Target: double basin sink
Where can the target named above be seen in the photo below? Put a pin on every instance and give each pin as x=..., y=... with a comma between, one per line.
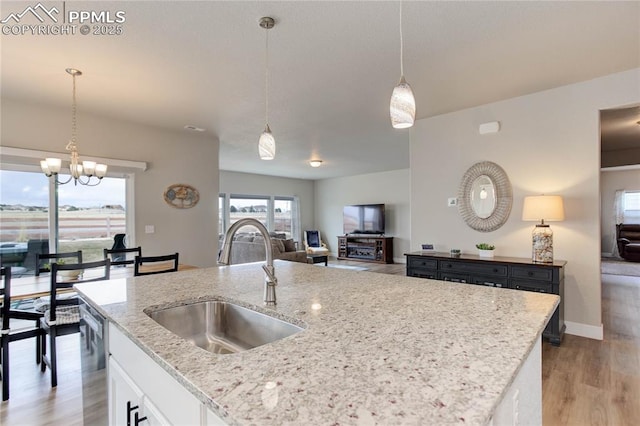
x=223, y=327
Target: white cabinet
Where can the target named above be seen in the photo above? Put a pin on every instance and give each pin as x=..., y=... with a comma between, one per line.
x=138, y=386
x=124, y=396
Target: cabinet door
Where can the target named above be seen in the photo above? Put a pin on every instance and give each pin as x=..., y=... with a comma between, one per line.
x=210, y=418
x=125, y=397
x=153, y=416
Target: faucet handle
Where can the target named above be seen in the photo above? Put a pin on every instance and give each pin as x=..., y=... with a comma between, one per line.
x=271, y=273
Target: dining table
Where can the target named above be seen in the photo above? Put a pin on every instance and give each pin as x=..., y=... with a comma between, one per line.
x=30, y=287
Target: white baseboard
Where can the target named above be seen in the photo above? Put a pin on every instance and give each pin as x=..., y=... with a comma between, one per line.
x=402, y=259
x=606, y=254
x=584, y=330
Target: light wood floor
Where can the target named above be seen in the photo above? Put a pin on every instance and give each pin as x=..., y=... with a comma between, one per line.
x=585, y=382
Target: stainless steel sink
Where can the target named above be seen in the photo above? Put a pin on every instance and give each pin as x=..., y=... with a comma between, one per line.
x=223, y=327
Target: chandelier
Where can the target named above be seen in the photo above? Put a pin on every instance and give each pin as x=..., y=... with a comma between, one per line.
x=81, y=173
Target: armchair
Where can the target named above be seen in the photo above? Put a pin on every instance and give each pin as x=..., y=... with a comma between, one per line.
x=313, y=243
x=628, y=239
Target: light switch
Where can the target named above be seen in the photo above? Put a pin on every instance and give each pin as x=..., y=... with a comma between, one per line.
x=149, y=229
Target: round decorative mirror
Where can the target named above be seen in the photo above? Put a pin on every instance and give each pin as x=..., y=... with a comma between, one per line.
x=485, y=197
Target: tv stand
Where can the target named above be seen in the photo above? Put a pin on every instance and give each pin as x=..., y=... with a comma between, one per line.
x=365, y=248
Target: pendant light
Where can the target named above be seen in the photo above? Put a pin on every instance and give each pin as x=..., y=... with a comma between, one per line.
x=403, y=104
x=266, y=143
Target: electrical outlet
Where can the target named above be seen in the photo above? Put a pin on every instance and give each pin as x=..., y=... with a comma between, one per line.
x=149, y=229
x=451, y=202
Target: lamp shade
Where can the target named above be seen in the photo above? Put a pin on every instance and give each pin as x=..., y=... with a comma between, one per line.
x=403, y=106
x=267, y=145
x=543, y=207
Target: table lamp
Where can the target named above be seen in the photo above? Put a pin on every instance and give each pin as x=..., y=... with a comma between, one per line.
x=541, y=208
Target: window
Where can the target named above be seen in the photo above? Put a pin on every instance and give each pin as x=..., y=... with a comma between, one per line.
x=87, y=218
x=241, y=207
x=631, y=204
x=283, y=217
x=221, y=214
x=277, y=214
x=24, y=207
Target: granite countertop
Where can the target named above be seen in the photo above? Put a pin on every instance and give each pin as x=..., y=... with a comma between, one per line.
x=382, y=349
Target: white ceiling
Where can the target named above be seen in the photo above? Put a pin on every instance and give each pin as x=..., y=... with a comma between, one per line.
x=333, y=66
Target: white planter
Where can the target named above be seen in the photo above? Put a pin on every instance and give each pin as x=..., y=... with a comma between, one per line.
x=71, y=274
x=485, y=253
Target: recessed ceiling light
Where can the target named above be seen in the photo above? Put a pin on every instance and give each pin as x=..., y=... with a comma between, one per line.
x=315, y=163
x=194, y=128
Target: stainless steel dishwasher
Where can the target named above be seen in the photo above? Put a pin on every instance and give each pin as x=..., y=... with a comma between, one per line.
x=93, y=351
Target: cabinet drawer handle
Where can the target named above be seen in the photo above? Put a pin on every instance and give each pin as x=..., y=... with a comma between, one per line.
x=530, y=273
x=137, y=420
x=130, y=408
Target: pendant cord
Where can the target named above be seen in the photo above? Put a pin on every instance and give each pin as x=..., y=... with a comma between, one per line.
x=73, y=113
x=401, y=45
x=266, y=79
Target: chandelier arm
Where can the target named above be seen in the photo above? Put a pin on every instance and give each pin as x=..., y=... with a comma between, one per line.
x=62, y=183
x=88, y=180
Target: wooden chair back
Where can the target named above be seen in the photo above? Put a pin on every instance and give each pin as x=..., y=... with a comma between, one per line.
x=119, y=256
x=43, y=258
x=167, y=263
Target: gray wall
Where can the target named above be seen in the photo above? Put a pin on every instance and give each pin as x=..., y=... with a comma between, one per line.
x=390, y=188
x=172, y=157
x=610, y=182
x=549, y=143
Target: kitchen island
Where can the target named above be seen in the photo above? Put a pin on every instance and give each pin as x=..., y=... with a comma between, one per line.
x=375, y=349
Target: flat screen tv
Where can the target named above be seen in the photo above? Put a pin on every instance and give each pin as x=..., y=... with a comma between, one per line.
x=363, y=219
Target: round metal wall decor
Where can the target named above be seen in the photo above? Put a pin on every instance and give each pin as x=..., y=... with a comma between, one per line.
x=181, y=196
x=485, y=183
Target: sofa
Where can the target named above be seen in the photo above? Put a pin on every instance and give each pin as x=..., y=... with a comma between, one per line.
x=628, y=238
x=249, y=247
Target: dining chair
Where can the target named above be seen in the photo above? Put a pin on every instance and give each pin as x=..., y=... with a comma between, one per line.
x=119, y=256
x=167, y=263
x=34, y=247
x=62, y=316
x=7, y=335
x=41, y=257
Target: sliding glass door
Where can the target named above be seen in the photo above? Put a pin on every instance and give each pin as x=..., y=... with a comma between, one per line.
x=86, y=218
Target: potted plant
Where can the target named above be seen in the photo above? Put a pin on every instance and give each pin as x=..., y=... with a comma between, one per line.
x=485, y=250
x=67, y=274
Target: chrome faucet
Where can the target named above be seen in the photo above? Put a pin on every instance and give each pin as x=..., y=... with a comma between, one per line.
x=270, y=280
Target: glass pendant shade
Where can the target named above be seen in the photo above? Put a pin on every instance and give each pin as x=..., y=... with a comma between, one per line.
x=267, y=145
x=403, y=106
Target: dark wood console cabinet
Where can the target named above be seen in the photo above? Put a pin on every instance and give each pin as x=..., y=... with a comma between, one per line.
x=365, y=248
x=506, y=272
